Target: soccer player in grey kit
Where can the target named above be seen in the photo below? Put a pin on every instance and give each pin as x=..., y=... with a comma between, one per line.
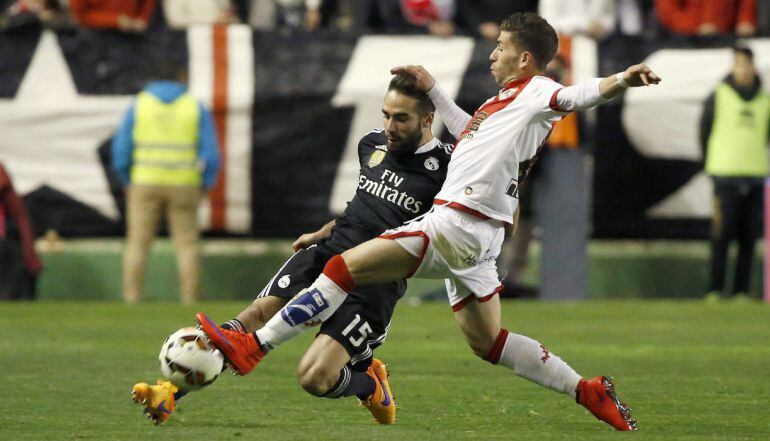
x=402, y=169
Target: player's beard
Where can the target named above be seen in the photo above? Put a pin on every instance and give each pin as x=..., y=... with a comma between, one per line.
x=407, y=145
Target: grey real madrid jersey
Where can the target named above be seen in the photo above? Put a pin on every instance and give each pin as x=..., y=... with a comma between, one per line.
x=391, y=190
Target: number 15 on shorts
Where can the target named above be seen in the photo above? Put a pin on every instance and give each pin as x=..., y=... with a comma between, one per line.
x=363, y=331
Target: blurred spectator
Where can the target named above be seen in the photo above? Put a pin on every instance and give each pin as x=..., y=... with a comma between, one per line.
x=735, y=130
x=50, y=13
x=592, y=17
x=165, y=153
x=342, y=11
x=19, y=263
x=763, y=17
x=124, y=15
x=708, y=17
x=305, y=14
x=435, y=17
x=482, y=17
x=183, y=13
x=630, y=17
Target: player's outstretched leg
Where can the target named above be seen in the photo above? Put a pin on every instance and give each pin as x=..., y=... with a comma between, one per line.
x=531, y=360
x=158, y=400
x=242, y=350
x=381, y=403
x=598, y=396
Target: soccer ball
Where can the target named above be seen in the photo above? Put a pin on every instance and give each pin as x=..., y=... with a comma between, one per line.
x=188, y=361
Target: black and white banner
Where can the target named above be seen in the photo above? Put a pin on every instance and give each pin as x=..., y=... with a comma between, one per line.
x=648, y=178
x=290, y=108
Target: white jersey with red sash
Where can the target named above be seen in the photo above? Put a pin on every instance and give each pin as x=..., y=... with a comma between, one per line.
x=506, y=130
x=460, y=239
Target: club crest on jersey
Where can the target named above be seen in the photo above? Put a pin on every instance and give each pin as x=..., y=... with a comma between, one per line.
x=284, y=281
x=376, y=159
x=432, y=163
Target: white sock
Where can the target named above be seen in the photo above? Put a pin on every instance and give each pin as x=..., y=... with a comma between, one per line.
x=531, y=360
x=309, y=308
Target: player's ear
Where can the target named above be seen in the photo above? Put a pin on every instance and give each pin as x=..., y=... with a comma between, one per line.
x=526, y=59
x=427, y=120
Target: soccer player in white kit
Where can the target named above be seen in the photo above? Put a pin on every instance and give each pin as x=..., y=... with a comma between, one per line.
x=460, y=238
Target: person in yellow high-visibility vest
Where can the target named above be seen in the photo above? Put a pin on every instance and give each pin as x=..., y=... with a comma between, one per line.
x=734, y=131
x=166, y=155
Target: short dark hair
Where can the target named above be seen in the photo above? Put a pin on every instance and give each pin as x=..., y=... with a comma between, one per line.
x=531, y=33
x=745, y=51
x=406, y=84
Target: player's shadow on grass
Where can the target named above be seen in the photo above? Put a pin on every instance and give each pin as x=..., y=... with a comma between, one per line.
x=195, y=420
x=218, y=424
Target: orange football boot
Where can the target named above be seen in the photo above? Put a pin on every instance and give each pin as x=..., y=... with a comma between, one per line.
x=381, y=403
x=242, y=350
x=598, y=396
x=158, y=400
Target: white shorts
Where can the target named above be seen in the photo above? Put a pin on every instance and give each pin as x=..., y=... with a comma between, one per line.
x=455, y=246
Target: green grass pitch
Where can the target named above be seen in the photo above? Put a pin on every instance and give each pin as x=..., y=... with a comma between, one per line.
x=690, y=371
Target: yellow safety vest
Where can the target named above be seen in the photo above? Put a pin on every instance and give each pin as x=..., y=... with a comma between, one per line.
x=737, y=146
x=166, y=141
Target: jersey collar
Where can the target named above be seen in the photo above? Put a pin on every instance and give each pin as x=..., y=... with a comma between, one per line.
x=516, y=83
x=428, y=146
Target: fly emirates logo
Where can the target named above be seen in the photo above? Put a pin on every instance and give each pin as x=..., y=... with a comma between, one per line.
x=387, y=189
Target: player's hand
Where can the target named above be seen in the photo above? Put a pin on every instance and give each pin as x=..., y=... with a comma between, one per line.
x=640, y=75
x=305, y=241
x=425, y=80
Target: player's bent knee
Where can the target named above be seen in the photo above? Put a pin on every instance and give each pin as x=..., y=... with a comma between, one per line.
x=257, y=313
x=481, y=345
x=479, y=350
x=316, y=379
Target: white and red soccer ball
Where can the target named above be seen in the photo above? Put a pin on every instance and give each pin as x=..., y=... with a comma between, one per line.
x=188, y=360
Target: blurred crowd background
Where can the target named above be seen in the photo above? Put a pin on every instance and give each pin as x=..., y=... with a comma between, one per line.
x=597, y=18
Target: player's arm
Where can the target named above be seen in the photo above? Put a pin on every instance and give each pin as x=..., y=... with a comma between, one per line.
x=454, y=117
x=308, y=239
x=635, y=76
x=600, y=90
